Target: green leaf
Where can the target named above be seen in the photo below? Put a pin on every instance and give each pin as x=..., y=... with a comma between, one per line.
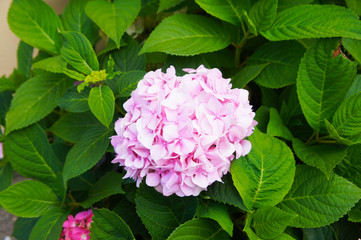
x=49, y=226
x=128, y=82
x=334, y=134
x=316, y=200
x=353, y=46
x=5, y=100
x=314, y=21
x=354, y=5
x=6, y=174
x=75, y=19
x=199, y=228
x=78, y=52
x=113, y=17
x=322, y=79
x=322, y=233
x=321, y=156
x=35, y=23
x=101, y=103
x=290, y=106
x=6, y=84
x=72, y=126
x=269, y=222
x=247, y=228
x=284, y=4
x=35, y=99
x=108, y=225
x=86, y=152
x=229, y=11
x=73, y=101
x=283, y=59
x=347, y=118
x=166, y=4
x=350, y=167
x=179, y=35
x=265, y=175
x=276, y=127
x=225, y=192
x=161, y=215
x=109, y=184
x=31, y=155
x=25, y=57
x=23, y=227
x=247, y=74
x=263, y=13
x=29, y=199
x=354, y=215
x=217, y=212
x=355, y=87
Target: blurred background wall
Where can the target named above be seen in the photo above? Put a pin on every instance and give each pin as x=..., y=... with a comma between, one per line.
x=9, y=42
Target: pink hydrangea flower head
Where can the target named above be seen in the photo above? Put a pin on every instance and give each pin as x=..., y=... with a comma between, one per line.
x=181, y=133
x=77, y=228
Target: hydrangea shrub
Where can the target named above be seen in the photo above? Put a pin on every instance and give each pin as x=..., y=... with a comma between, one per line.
x=181, y=119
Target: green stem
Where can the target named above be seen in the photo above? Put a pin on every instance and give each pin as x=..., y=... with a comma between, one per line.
x=310, y=139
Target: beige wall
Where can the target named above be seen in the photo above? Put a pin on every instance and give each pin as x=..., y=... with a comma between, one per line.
x=9, y=42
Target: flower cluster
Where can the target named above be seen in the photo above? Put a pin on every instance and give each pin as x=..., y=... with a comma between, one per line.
x=77, y=228
x=181, y=133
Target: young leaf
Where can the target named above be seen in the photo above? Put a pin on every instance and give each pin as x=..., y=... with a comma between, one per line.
x=109, y=184
x=166, y=4
x=73, y=101
x=49, y=226
x=347, y=118
x=72, y=126
x=283, y=59
x=35, y=99
x=316, y=200
x=179, y=35
x=6, y=174
x=321, y=156
x=78, y=52
x=128, y=82
x=113, y=17
x=217, y=212
x=108, y=225
x=229, y=11
x=322, y=79
x=101, y=103
x=263, y=14
x=29, y=199
x=269, y=222
x=161, y=215
x=25, y=57
x=75, y=19
x=275, y=126
x=31, y=155
x=199, y=228
x=247, y=74
x=86, y=152
x=35, y=23
x=314, y=21
x=265, y=175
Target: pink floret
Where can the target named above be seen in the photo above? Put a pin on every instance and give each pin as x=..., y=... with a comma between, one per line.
x=181, y=133
x=77, y=228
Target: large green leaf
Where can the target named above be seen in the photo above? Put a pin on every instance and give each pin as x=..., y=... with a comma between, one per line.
x=318, y=201
x=31, y=155
x=23, y=227
x=321, y=156
x=79, y=53
x=247, y=74
x=266, y=174
x=72, y=126
x=109, y=184
x=284, y=4
x=216, y=211
x=227, y=10
x=161, y=215
x=314, y=21
x=322, y=79
x=101, y=103
x=179, y=35
x=269, y=222
x=199, y=228
x=35, y=99
x=86, y=152
x=350, y=167
x=282, y=58
x=322, y=233
x=25, y=57
x=113, y=17
x=108, y=225
x=29, y=199
x=73, y=101
x=276, y=127
x=75, y=19
x=347, y=118
x=128, y=82
x=6, y=174
x=49, y=226
x=35, y=23
x=263, y=13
